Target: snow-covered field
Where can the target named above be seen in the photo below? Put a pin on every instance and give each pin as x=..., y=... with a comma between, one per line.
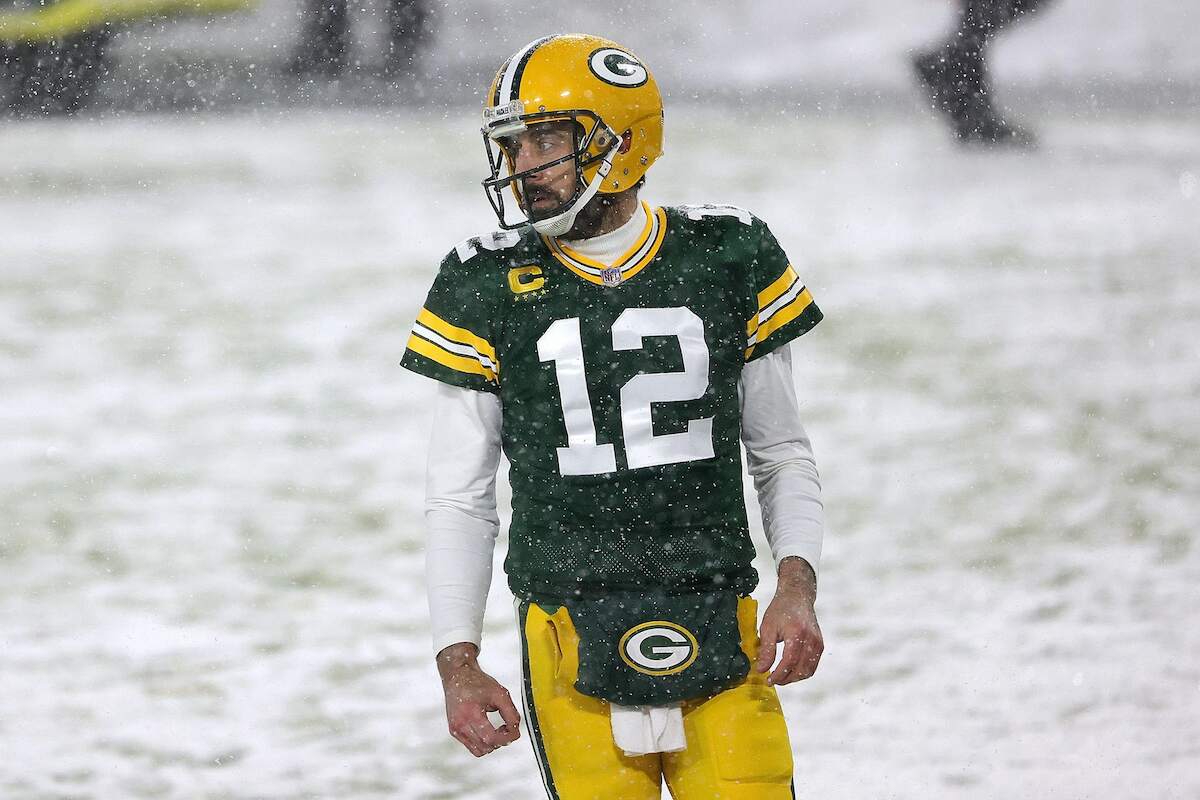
x=211, y=465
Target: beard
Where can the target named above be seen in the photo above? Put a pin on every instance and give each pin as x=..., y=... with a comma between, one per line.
x=542, y=202
x=542, y=199
x=591, y=218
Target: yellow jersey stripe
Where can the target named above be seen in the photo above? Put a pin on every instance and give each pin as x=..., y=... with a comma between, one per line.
x=464, y=350
x=578, y=271
x=434, y=352
x=456, y=334
x=629, y=272
x=631, y=263
x=779, y=302
x=628, y=254
x=777, y=288
x=782, y=317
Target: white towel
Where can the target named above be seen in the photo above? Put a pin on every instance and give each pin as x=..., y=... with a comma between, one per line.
x=639, y=730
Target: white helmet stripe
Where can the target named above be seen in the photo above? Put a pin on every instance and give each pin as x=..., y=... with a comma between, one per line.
x=516, y=66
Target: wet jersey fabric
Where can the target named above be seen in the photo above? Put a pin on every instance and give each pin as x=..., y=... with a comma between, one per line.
x=619, y=389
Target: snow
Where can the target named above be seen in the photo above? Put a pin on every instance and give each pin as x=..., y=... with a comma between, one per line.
x=213, y=465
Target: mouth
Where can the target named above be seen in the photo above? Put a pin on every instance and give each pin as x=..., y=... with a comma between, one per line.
x=539, y=198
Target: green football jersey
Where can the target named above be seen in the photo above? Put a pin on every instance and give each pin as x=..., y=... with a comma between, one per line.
x=619, y=389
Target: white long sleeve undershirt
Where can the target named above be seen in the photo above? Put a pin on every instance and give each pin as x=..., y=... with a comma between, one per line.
x=461, y=522
x=779, y=458
x=460, y=497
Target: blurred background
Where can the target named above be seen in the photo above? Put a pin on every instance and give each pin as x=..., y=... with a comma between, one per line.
x=218, y=219
x=122, y=55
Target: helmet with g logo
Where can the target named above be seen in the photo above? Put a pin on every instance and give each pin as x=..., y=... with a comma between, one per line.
x=595, y=83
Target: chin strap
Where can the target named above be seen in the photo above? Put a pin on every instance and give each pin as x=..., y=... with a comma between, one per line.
x=559, y=224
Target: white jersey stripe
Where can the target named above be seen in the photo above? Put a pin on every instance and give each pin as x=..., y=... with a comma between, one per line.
x=453, y=347
x=788, y=296
x=527, y=703
x=625, y=265
x=793, y=291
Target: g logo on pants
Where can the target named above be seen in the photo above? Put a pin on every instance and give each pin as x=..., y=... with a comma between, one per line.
x=658, y=648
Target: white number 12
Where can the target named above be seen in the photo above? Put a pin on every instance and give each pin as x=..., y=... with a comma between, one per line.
x=562, y=344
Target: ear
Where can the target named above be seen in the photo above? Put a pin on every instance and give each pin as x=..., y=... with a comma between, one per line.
x=626, y=142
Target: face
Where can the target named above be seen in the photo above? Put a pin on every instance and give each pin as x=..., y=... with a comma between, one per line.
x=542, y=143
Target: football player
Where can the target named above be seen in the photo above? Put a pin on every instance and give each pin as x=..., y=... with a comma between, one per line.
x=955, y=76
x=617, y=353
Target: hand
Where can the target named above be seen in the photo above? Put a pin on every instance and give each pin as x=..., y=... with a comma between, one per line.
x=790, y=618
x=470, y=694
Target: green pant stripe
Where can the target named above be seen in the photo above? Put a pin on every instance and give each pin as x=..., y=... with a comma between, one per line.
x=535, y=732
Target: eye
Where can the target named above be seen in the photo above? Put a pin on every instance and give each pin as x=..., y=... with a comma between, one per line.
x=510, y=146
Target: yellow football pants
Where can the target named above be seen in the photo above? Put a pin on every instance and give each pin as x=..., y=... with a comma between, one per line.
x=737, y=740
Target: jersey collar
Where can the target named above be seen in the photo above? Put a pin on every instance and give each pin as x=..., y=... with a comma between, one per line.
x=633, y=261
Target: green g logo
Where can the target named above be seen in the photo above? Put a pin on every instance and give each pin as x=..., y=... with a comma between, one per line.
x=617, y=67
x=658, y=648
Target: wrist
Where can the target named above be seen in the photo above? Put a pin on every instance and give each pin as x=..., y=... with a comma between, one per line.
x=796, y=575
x=456, y=656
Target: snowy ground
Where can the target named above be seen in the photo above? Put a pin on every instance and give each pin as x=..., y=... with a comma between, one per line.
x=212, y=466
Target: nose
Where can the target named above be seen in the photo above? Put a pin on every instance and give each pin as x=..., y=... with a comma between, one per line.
x=526, y=158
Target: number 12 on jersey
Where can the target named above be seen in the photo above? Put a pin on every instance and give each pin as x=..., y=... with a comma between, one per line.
x=583, y=455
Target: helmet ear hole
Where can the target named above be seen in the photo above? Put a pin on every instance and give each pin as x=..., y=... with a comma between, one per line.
x=626, y=141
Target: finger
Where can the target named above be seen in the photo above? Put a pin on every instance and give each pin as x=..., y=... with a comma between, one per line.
x=510, y=733
x=767, y=639
x=491, y=738
x=505, y=734
x=489, y=734
x=803, y=667
x=787, y=662
x=800, y=659
x=810, y=657
x=807, y=665
x=508, y=711
x=510, y=730
x=469, y=726
x=469, y=741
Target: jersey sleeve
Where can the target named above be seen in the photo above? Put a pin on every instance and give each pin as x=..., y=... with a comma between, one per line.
x=452, y=338
x=785, y=306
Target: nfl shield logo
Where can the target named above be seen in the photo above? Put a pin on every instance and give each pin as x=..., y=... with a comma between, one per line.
x=610, y=276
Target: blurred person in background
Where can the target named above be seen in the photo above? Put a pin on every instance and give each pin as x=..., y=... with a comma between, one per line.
x=324, y=48
x=954, y=73
x=55, y=53
x=618, y=353
x=53, y=75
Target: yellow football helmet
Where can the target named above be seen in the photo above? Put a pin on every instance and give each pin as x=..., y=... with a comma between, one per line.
x=595, y=83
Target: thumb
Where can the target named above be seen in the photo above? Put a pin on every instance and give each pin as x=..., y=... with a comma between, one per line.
x=508, y=711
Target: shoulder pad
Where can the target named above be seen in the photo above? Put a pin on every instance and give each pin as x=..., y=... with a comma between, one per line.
x=698, y=212
x=496, y=240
